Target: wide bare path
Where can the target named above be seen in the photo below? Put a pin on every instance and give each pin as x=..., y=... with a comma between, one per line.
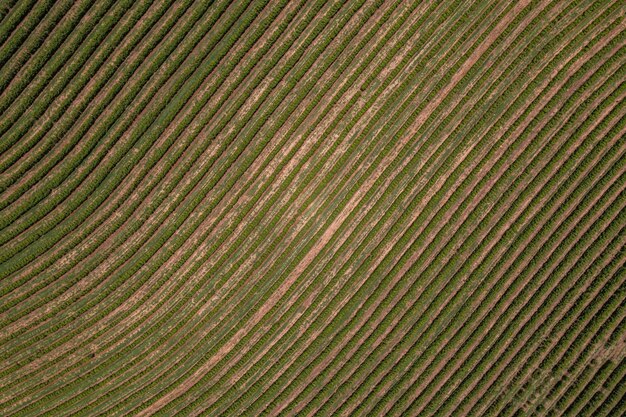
x=312, y=208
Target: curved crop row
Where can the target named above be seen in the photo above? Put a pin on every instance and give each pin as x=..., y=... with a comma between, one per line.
x=293, y=207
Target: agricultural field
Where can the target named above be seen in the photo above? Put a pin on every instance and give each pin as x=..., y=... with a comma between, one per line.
x=313, y=208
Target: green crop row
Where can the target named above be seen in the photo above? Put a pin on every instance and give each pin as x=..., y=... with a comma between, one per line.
x=196, y=155
x=82, y=197
x=382, y=327
x=592, y=183
x=104, y=172
x=567, y=299
x=427, y=213
x=231, y=184
x=554, y=295
x=526, y=350
x=17, y=53
x=554, y=317
x=606, y=392
x=235, y=265
x=582, y=389
x=13, y=18
x=127, y=122
x=46, y=63
x=70, y=79
x=556, y=216
x=339, y=232
x=599, y=279
x=575, y=355
x=229, y=371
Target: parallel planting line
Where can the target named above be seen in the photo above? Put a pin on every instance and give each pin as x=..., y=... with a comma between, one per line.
x=313, y=208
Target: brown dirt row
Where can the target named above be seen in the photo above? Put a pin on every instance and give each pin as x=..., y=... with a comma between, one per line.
x=97, y=217
x=84, y=118
x=120, y=190
x=35, y=149
x=536, y=170
x=510, y=377
x=524, y=246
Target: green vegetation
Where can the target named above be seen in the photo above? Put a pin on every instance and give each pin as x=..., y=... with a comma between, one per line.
x=289, y=207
